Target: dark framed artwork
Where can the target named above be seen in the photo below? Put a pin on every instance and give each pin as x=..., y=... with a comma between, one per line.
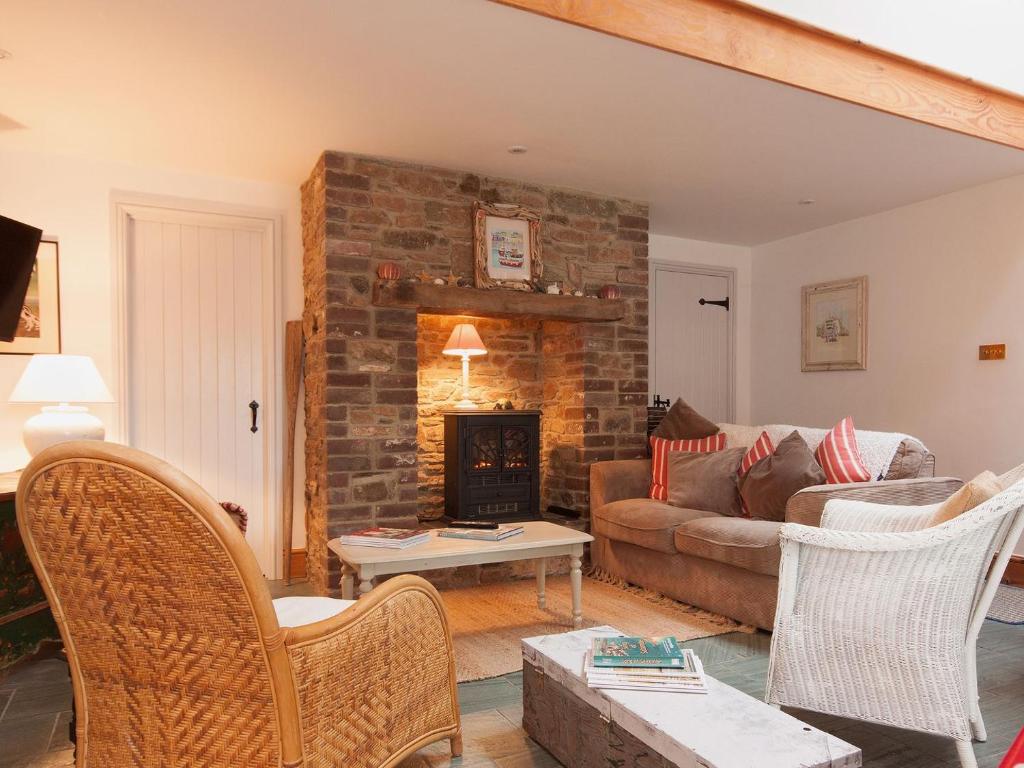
x=39, y=326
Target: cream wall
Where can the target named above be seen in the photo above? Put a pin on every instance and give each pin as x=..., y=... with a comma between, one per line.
x=945, y=275
x=70, y=198
x=683, y=251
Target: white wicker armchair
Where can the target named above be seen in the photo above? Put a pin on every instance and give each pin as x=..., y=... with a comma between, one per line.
x=879, y=612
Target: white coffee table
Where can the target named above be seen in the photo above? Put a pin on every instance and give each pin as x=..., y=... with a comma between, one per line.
x=724, y=728
x=538, y=541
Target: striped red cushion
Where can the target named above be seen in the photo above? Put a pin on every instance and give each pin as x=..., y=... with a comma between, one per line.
x=659, y=458
x=762, y=449
x=839, y=457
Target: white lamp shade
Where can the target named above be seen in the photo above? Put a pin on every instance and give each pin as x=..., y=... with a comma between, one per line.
x=61, y=379
x=464, y=341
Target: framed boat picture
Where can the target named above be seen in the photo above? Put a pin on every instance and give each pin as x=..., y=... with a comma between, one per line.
x=835, y=326
x=506, y=239
x=39, y=326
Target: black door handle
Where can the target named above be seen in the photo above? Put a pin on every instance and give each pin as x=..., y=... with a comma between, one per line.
x=717, y=302
x=254, y=407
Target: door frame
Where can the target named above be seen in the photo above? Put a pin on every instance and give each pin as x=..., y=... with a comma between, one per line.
x=126, y=206
x=729, y=273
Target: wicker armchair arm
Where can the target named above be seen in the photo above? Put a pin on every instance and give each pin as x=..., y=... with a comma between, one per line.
x=377, y=681
x=857, y=541
x=849, y=515
x=617, y=480
x=806, y=506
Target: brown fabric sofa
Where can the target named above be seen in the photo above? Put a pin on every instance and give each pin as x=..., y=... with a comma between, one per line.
x=728, y=565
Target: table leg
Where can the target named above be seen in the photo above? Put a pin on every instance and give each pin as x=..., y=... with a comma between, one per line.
x=365, y=584
x=542, y=573
x=347, y=582
x=576, y=579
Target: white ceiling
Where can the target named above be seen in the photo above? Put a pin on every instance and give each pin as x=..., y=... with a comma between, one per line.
x=257, y=88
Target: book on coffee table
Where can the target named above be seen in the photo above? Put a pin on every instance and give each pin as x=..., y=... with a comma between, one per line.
x=391, y=538
x=640, y=652
x=500, y=533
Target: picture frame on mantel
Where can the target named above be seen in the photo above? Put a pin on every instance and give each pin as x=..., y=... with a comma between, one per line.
x=38, y=329
x=506, y=243
x=835, y=325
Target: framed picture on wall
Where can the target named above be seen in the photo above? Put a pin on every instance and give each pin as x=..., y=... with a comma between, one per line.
x=39, y=327
x=506, y=239
x=835, y=326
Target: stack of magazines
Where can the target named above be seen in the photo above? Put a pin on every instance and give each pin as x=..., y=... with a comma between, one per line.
x=644, y=664
x=392, y=538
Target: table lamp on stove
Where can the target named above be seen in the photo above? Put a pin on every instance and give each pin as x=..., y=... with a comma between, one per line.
x=465, y=342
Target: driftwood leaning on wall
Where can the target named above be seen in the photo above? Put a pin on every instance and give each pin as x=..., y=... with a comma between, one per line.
x=292, y=378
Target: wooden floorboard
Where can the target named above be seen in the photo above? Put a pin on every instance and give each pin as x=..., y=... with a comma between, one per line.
x=35, y=711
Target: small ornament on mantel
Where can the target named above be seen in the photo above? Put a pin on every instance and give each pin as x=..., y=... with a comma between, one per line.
x=611, y=292
x=504, y=405
x=388, y=270
x=554, y=289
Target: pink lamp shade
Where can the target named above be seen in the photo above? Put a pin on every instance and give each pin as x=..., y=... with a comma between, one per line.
x=464, y=341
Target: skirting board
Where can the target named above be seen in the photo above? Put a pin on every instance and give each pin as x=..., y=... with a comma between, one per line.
x=1015, y=571
x=298, y=563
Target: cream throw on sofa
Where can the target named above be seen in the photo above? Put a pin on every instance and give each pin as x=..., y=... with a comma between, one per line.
x=877, y=449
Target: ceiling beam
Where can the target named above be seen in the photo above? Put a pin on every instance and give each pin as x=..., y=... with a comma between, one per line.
x=747, y=39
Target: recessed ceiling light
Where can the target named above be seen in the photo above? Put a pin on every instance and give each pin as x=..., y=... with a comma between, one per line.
x=806, y=201
x=4, y=54
x=517, y=149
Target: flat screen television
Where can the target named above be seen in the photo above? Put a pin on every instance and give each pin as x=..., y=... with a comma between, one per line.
x=18, y=246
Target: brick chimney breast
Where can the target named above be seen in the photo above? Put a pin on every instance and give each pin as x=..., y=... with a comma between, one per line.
x=375, y=379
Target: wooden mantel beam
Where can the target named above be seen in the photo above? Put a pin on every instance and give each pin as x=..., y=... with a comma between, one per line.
x=748, y=39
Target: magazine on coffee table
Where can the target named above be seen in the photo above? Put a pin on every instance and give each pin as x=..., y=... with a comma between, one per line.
x=390, y=538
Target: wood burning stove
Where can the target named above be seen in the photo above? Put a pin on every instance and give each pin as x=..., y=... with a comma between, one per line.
x=492, y=465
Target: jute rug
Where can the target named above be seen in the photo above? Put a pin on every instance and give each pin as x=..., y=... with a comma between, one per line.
x=1008, y=605
x=489, y=621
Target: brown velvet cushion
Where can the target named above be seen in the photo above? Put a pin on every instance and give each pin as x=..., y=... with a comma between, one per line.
x=705, y=480
x=683, y=423
x=768, y=485
x=749, y=544
x=908, y=461
x=644, y=522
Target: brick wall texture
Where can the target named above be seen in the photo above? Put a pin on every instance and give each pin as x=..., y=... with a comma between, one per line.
x=375, y=380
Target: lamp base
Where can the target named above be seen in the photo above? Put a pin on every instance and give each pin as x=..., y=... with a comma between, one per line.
x=58, y=424
x=466, y=405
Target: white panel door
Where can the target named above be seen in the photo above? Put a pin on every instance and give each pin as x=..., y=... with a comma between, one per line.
x=196, y=336
x=691, y=355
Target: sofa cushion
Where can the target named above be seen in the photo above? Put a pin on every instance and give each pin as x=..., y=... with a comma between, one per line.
x=769, y=484
x=705, y=480
x=683, y=423
x=644, y=522
x=840, y=457
x=749, y=544
x=908, y=461
x=660, y=449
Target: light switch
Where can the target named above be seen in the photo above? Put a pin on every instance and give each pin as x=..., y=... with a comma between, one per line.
x=992, y=352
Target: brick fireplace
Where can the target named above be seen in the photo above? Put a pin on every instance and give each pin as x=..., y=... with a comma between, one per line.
x=375, y=380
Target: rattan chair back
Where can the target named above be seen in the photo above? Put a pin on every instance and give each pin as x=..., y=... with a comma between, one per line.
x=176, y=656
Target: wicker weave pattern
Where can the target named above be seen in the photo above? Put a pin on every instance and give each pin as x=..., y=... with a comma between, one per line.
x=371, y=690
x=879, y=623
x=170, y=658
